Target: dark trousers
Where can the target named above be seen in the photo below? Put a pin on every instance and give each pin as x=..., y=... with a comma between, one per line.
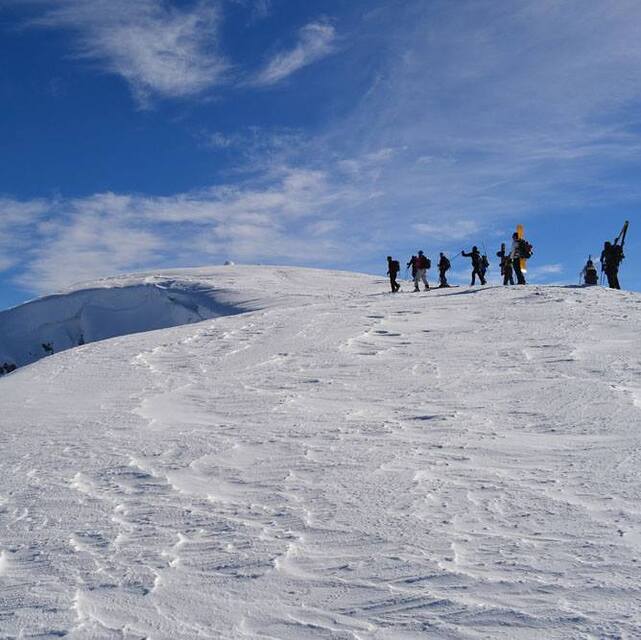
x=442, y=278
x=478, y=273
x=516, y=264
x=613, y=278
x=507, y=277
x=392, y=280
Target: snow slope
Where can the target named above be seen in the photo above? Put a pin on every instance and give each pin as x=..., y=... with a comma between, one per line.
x=337, y=463
x=121, y=306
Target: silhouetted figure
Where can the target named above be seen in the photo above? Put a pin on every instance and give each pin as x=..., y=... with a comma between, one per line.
x=422, y=265
x=516, y=253
x=611, y=257
x=589, y=274
x=443, y=266
x=412, y=263
x=506, y=265
x=393, y=267
x=477, y=264
x=485, y=265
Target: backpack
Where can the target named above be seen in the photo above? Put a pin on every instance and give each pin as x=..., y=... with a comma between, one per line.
x=617, y=252
x=445, y=263
x=525, y=249
x=394, y=266
x=485, y=263
x=591, y=276
x=423, y=262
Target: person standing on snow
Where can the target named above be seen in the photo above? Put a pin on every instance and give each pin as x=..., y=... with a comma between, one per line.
x=412, y=263
x=443, y=265
x=477, y=264
x=422, y=265
x=393, y=267
x=589, y=274
x=611, y=257
x=506, y=265
x=516, y=253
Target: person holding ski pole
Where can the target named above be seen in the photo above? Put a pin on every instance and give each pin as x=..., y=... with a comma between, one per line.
x=611, y=258
x=477, y=265
x=589, y=273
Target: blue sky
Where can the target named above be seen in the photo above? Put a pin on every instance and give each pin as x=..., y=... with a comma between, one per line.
x=136, y=135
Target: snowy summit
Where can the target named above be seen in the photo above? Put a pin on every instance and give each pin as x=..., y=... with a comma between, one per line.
x=293, y=453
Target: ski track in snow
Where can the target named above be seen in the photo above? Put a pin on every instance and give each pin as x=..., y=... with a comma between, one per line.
x=349, y=465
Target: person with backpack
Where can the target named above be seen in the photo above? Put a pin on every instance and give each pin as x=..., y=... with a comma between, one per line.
x=506, y=265
x=611, y=258
x=485, y=265
x=521, y=248
x=423, y=263
x=477, y=265
x=443, y=266
x=393, y=267
x=589, y=273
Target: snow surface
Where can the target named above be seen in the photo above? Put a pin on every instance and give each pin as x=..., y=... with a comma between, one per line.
x=322, y=460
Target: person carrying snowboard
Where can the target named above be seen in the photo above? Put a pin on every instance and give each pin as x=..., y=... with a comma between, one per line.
x=423, y=263
x=443, y=266
x=393, y=267
x=611, y=258
x=519, y=250
x=589, y=274
x=477, y=265
x=506, y=265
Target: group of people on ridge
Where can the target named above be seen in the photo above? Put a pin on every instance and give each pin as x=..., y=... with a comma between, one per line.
x=511, y=264
x=420, y=264
x=611, y=258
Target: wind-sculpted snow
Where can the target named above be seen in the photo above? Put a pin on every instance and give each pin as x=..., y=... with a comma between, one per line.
x=338, y=463
x=125, y=305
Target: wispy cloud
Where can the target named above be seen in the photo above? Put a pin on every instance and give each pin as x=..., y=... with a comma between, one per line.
x=454, y=230
x=258, y=9
x=158, y=49
x=292, y=219
x=499, y=111
x=316, y=40
x=18, y=219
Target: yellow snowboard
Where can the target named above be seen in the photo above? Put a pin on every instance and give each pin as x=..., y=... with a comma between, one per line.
x=519, y=231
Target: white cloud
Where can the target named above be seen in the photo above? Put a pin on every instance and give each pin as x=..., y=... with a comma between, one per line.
x=505, y=111
x=454, y=230
x=291, y=218
x=18, y=219
x=545, y=270
x=158, y=49
x=316, y=40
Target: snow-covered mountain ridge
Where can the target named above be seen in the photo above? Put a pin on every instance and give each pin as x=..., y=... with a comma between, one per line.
x=322, y=459
x=141, y=302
